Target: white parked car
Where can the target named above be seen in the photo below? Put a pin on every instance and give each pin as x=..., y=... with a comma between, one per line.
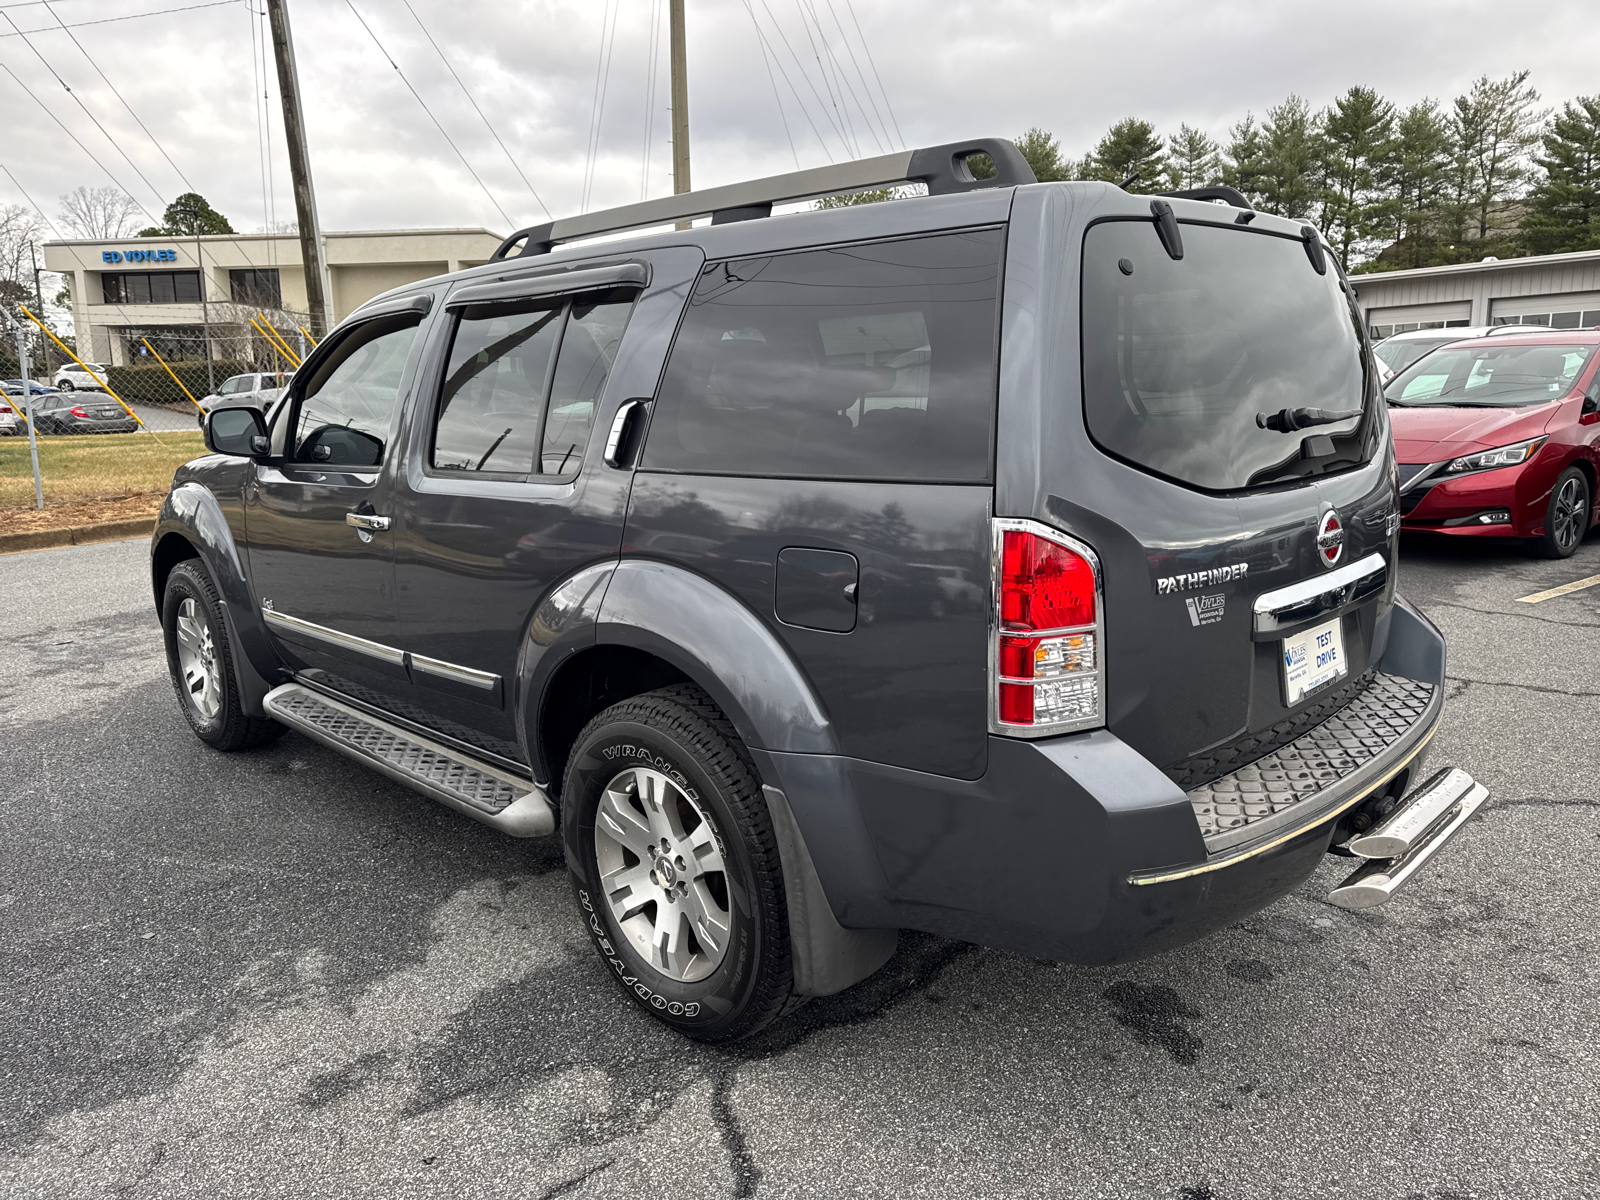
x=73, y=377
x=252, y=390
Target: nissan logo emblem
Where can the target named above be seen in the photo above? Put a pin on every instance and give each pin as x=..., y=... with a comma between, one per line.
x=1330, y=538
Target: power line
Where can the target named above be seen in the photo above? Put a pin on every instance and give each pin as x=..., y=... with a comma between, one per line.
x=30, y=201
x=79, y=144
x=843, y=122
x=597, y=110
x=429, y=111
x=255, y=103
x=777, y=98
x=843, y=77
x=652, y=76
x=160, y=12
x=94, y=119
x=794, y=91
x=866, y=88
x=805, y=75
x=474, y=104
x=851, y=8
x=96, y=65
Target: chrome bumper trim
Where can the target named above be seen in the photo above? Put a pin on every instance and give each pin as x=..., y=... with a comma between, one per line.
x=1376, y=881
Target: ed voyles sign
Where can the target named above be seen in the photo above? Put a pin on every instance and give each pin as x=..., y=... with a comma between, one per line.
x=116, y=256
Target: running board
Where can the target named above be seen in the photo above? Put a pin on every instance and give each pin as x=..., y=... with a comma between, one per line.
x=468, y=785
x=1412, y=835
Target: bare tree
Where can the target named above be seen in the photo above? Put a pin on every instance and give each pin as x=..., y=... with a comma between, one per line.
x=20, y=228
x=100, y=213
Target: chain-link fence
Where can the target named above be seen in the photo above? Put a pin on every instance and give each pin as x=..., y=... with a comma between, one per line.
x=108, y=430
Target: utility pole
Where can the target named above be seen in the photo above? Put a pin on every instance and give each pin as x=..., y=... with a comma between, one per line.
x=205, y=310
x=38, y=298
x=313, y=260
x=680, y=102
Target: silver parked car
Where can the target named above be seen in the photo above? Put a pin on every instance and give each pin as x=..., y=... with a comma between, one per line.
x=252, y=390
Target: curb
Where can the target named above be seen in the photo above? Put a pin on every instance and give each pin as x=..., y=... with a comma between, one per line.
x=76, y=535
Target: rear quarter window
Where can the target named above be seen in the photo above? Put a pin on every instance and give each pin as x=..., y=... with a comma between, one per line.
x=866, y=361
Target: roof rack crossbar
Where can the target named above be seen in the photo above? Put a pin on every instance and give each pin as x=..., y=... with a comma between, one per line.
x=943, y=168
x=1232, y=195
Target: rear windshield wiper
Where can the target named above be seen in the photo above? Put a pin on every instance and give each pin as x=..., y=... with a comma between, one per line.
x=1290, y=419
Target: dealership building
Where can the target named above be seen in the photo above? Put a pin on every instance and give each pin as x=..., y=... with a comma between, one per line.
x=1561, y=291
x=131, y=290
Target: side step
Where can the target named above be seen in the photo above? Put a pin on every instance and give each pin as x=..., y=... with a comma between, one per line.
x=1402, y=845
x=483, y=792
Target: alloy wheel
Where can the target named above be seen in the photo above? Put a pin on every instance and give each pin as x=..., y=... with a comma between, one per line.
x=1569, y=513
x=662, y=873
x=197, y=659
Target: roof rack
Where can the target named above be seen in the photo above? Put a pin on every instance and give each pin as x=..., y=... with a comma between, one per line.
x=943, y=168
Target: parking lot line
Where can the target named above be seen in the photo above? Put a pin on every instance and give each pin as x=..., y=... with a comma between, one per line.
x=1577, y=585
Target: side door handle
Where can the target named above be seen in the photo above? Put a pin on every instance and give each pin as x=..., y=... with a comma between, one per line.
x=366, y=521
x=619, y=444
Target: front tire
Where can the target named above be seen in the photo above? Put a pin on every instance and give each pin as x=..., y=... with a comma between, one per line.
x=1567, y=519
x=200, y=661
x=676, y=866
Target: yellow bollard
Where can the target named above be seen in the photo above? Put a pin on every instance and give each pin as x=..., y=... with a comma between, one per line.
x=168, y=370
x=89, y=373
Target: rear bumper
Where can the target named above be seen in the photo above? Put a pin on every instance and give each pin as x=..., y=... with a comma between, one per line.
x=1073, y=848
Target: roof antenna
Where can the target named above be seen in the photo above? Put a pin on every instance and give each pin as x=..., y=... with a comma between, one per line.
x=1129, y=181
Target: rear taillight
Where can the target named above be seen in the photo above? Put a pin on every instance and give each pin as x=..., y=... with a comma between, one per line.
x=1046, y=672
x=77, y=411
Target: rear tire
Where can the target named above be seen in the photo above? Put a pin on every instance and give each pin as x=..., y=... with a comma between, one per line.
x=676, y=866
x=1566, y=520
x=200, y=661
x=66, y=385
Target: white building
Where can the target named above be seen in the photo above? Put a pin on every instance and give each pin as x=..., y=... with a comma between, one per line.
x=133, y=288
x=1558, y=290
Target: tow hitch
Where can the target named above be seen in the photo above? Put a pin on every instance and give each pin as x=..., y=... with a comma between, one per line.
x=1412, y=834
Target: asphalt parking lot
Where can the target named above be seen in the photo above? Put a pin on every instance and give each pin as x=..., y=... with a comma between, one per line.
x=279, y=974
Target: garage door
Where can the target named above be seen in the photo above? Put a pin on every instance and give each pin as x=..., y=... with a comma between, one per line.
x=1572, y=310
x=1385, y=321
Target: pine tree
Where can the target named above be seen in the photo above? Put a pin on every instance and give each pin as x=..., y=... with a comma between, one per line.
x=1415, y=182
x=1291, y=145
x=1044, y=155
x=1564, y=206
x=1245, y=161
x=1130, y=147
x=1196, y=159
x=187, y=216
x=1495, y=126
x=1357, y=141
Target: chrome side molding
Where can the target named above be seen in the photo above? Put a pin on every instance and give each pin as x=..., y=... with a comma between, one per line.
x=448, y=670
x=1424, y=832
x=437, y=667
x=334, y=637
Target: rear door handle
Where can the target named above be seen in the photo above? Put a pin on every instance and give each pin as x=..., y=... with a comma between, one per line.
x=617, y=444
x=366, y=521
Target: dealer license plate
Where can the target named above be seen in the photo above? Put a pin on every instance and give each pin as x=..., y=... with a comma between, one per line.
x=1312, y=659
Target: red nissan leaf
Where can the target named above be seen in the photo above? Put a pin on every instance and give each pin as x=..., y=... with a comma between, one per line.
x=1500, y=437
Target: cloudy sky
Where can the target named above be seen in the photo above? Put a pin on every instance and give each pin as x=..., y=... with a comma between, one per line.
x=947, y=71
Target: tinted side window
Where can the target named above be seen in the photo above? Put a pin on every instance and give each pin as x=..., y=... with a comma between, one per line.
x=588, y=348
x=493, y=395
x=855, y=362
x=349, y=401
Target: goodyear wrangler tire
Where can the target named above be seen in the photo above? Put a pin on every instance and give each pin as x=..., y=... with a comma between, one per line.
x=200, y=661
x=676, y=867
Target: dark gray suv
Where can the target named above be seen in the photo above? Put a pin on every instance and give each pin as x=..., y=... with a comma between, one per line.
x=1015, y=563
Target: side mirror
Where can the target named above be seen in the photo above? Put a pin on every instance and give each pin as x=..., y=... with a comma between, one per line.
x=237, y=431
x=1591, y=399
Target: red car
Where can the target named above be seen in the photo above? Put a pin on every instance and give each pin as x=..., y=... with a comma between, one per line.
x=1500, y=437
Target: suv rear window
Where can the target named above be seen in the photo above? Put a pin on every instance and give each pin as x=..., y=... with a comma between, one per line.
x=866, y=361
x=1180, y=356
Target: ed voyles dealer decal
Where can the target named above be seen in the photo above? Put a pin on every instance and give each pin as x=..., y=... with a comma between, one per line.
x=1206, y=610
